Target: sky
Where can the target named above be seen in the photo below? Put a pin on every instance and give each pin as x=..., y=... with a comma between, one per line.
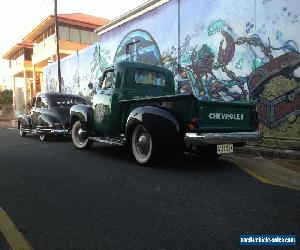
x=19, y=17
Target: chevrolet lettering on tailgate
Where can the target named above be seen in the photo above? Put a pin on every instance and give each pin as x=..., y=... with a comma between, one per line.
x=222, y=116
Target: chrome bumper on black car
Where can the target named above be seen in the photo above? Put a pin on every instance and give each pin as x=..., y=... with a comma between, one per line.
x=53, y=131
x=193, y=139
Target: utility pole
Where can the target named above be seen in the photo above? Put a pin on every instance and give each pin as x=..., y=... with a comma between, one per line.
x=57, y=46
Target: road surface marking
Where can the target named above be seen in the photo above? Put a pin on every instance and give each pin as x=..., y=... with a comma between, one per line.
x=14, y=238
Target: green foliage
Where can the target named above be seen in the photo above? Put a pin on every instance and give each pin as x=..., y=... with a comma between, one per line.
x=6, y=97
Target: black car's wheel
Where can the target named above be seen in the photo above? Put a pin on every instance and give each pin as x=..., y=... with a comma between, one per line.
x=43, y=137
x=142, y=145
x=21, y=131
x=80, y=136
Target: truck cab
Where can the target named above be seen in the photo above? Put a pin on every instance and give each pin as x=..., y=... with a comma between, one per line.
x=135, y=105
x=126, y=81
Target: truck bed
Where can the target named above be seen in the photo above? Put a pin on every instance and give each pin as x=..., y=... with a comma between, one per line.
x=211, y=116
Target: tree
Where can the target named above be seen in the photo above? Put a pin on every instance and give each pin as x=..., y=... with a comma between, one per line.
x=6, y=97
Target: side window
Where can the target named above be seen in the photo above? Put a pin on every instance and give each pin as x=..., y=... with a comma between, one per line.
x=44, y=103
x=38, y=102
x=108, y=80
x=150, y=78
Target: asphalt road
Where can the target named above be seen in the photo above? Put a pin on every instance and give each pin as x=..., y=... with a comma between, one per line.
x=63, y=198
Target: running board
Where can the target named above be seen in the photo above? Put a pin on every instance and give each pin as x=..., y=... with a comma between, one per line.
x=109, y=140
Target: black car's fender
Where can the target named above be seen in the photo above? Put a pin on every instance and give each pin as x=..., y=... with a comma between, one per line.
x=83, y=113
x=161, y=124
x=25, y=121
x=46, y=121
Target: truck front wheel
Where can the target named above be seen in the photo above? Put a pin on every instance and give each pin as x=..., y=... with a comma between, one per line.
x=142, y=145
x=80, y=136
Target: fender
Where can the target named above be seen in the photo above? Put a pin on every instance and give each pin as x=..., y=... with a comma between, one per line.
x=161, y=124
x=81, y=112
x=25, y=120
x=46, y=121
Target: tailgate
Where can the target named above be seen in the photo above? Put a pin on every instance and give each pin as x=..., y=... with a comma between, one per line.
x=217, y=116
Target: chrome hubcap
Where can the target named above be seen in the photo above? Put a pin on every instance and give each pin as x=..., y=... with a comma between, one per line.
x=80, y=135
x=143, y=144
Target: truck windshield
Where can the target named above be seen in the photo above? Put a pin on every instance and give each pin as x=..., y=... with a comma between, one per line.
x=150, y=78
x=67, y=101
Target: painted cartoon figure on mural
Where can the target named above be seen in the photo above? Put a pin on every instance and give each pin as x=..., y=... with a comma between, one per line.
x=203, y=65
x=138, y=45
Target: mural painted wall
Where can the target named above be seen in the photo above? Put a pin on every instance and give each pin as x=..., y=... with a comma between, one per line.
x=246, y=49
x=218, y=50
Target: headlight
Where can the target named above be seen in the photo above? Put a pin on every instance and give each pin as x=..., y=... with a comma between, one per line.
x=58, y=125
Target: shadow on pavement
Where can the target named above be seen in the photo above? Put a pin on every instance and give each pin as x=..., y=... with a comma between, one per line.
x=51, y=139
x=176, y=161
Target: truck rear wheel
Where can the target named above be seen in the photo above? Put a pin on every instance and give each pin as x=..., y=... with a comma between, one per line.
x=80, y=136
x=142, y=145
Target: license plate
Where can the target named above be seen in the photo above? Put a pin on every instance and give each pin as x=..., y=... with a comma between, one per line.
x=224, y=148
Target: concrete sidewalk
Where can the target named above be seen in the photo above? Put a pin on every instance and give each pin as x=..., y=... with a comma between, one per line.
x=269, y=152
x=278, y=172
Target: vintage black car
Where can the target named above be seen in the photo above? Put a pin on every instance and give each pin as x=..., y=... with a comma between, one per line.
x=49, y=115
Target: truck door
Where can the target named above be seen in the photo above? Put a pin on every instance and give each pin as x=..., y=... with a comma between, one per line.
x=102, y=103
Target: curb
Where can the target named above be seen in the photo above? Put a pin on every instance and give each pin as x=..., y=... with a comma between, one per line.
x=268, y=172
x=268, y=152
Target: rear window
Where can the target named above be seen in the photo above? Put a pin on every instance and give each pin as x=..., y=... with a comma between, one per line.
x=67, y=101
x=150, y=78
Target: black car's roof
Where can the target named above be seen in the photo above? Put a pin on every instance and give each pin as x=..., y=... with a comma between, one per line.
x=49, y=95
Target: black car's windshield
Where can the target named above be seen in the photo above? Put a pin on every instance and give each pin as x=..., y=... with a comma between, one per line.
x=67, y=101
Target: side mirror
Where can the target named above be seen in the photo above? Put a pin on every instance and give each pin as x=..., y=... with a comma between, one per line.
x=91, y=86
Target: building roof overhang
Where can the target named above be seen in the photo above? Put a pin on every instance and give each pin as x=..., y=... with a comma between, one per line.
x=16, y=48
x=75, y=19
x=138, y=11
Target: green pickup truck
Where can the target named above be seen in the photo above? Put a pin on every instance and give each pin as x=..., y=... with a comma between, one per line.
x=135, y=105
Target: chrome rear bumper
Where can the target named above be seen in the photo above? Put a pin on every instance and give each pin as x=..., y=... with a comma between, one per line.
x=53, y=131
x=193, y=139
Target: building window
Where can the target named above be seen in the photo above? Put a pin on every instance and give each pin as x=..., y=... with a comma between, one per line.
x=85, y=36
x=74, y=35
x=64, y=33
x=93, y=37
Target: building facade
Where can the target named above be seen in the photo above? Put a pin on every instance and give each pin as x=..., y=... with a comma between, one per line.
x=38, y=49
